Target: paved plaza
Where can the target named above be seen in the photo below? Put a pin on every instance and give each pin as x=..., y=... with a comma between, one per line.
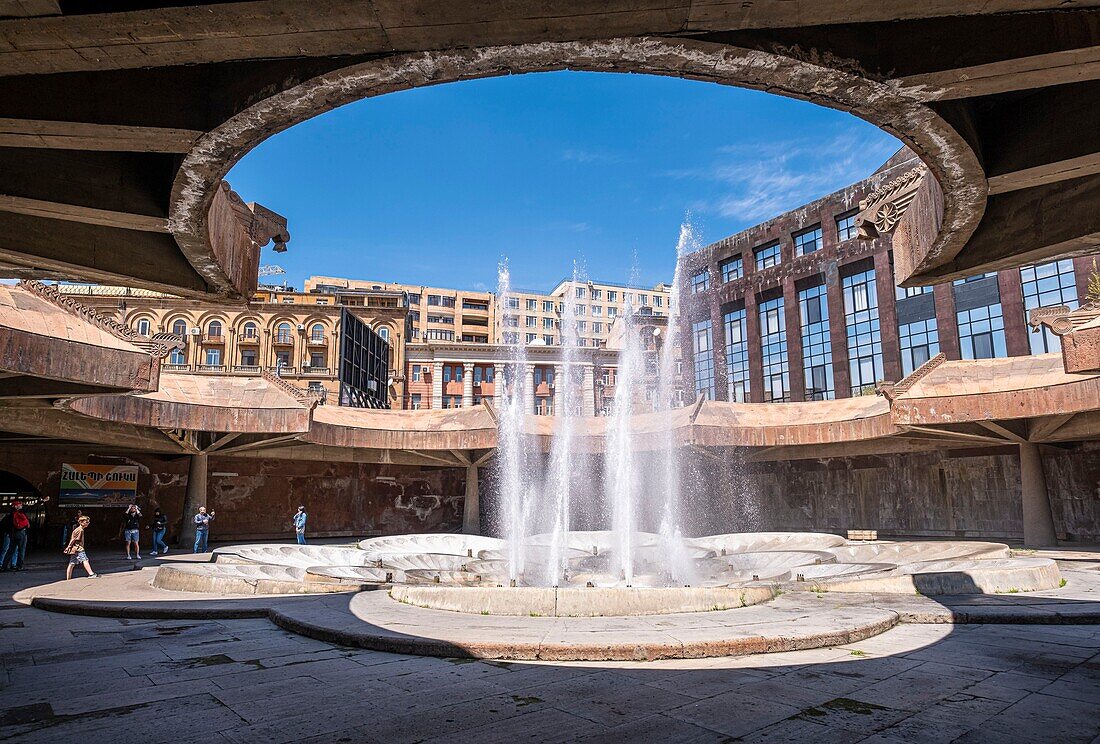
x=92, y=679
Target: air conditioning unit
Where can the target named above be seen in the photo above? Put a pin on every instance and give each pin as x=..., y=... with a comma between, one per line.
x=195, y=331
x=301, y=327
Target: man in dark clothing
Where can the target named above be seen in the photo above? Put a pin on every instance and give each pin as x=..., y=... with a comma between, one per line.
x=131, y=531
x=5, y=540
x=17, y=547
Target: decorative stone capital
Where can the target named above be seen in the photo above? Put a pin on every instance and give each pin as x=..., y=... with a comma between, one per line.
x=883, y=208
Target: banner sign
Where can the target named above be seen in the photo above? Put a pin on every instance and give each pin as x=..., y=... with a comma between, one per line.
x=98, y=485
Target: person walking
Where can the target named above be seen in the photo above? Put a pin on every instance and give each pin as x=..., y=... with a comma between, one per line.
x=131, y=531
x=202, y=529
x=15, y=550
x=299, y=520
x=75, y=549
x=159, y=527
x=70, y=526
x=5, y=539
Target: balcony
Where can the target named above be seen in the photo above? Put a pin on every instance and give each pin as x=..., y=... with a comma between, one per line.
x=283, y=339
x=175, y=367
x=211, y=368
x=250, y=339
x=316, y=340
x=246, y=369
x=281, y=371
x=308, y=369
x=213, y=339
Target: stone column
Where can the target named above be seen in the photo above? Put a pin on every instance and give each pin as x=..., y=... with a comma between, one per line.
x=498, y=384
x=437, y=385
x=467, y=384
x=588, y=392
x=559, y=390
x=194, y=497
x=471, y=507
x=529, y=388
x=1038, y=519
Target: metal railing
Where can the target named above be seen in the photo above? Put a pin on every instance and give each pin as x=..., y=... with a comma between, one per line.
x=316, y=340
x=213, y=339
x=285, y=339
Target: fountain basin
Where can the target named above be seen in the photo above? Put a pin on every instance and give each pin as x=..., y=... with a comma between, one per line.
x=580, y=601
x=220, y=578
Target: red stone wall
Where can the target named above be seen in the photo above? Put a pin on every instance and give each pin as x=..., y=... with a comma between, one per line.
x=254, y=499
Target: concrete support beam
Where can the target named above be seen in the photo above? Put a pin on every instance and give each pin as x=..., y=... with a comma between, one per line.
x=471, y=507
x=1038, y=519
x=194, y=498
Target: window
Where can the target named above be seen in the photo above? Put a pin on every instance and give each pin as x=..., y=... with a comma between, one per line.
x=316, y=360
x=982, y=332
x=179, y=328
x=414, y=299
x=417, y=372
x=846, y=226
x=807, y=241
x=250, y=331
x=612, y=312
x=597, y=311
x=438, y=334
x=580, y=309
x=731, y=268
x=144, y=326
x=441, y=301
x=548, y=339
x=579, y=294
x=214, y=357
x=597, y=327
x=321, y=301
x=177, y=357
x=283, y=334
x=384, y=333
x=768, y=255
x=975, y=278
x=489, y=374
x=532, y=321
x=532, y=338
x=920, y=341
x=704, y=358
x=643, y=300
x=582, y=326
x=700, y=281
x=1048, y=285
x=443, y=319
x=414, y=401
x=452, y=401
x=596, y=294
x=548, y=323
x=317, y=332
x=511, y=321
x=737, y=355
x=861, y=326
x=282, y=359
x=447, y=372
x=248, y=357
x=903, y=292
x=510, y=337
x=479, y=375
x=773, y=344
x=547, y=306
x=612, y=296
x=532, y=305
x=512, y=303
x=658, y=301
x=817, y=353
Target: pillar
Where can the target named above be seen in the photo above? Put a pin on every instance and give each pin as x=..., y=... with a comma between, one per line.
x=194, y=497
x=498, y=384
x=588, y=391
x=559, y=388
x=467, y=384
x=437, y=385
x=1038, y=519
x=471, y=507
x=529, y=388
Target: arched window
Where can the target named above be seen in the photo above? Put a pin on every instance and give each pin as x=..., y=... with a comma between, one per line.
x=144, y=326
x=250, y=330
x=384, y=332
x=177, y=357
x=317, y=332
x=179, y=328
x=214, y=329
x=283, y=334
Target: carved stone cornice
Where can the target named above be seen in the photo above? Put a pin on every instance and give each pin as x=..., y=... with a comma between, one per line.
x=891, y=390
x=158, y=346
x=883, y=208
x=1061, y=320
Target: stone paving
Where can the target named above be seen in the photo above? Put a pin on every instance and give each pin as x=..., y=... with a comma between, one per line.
x=116, y=680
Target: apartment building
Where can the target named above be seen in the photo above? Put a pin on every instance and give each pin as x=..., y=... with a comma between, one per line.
x=532, y=316
x=297, y=335
x=800, y=308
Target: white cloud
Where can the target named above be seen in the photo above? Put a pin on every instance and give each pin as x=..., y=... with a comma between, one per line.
x=759, y=180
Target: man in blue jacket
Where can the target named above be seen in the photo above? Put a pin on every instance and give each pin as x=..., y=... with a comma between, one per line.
x=202, y=529
x=299, y=520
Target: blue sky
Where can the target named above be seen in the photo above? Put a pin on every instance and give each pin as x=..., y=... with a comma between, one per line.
x=434, y=185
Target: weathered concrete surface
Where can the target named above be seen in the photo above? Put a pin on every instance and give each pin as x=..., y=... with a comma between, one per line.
x=221, y=579
x=937, y=578
x=579, y=602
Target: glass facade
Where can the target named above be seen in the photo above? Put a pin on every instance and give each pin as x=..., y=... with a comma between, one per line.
x=773, y=344
x=817, y=353
x=704, y=358
x=1048, y=285
x=861, y=326
x=982, y=332
x=807, y=241
x=731, y=269
x=920, y=341
x=737, y=355
x=768, y=255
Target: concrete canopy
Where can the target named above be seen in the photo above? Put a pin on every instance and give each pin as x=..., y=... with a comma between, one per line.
x=117, y=127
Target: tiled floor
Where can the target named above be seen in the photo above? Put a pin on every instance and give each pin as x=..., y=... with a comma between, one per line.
x=85, y=679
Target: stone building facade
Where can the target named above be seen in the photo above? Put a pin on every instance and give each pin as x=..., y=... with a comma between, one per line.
x=293, y=334
x=801, y=308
